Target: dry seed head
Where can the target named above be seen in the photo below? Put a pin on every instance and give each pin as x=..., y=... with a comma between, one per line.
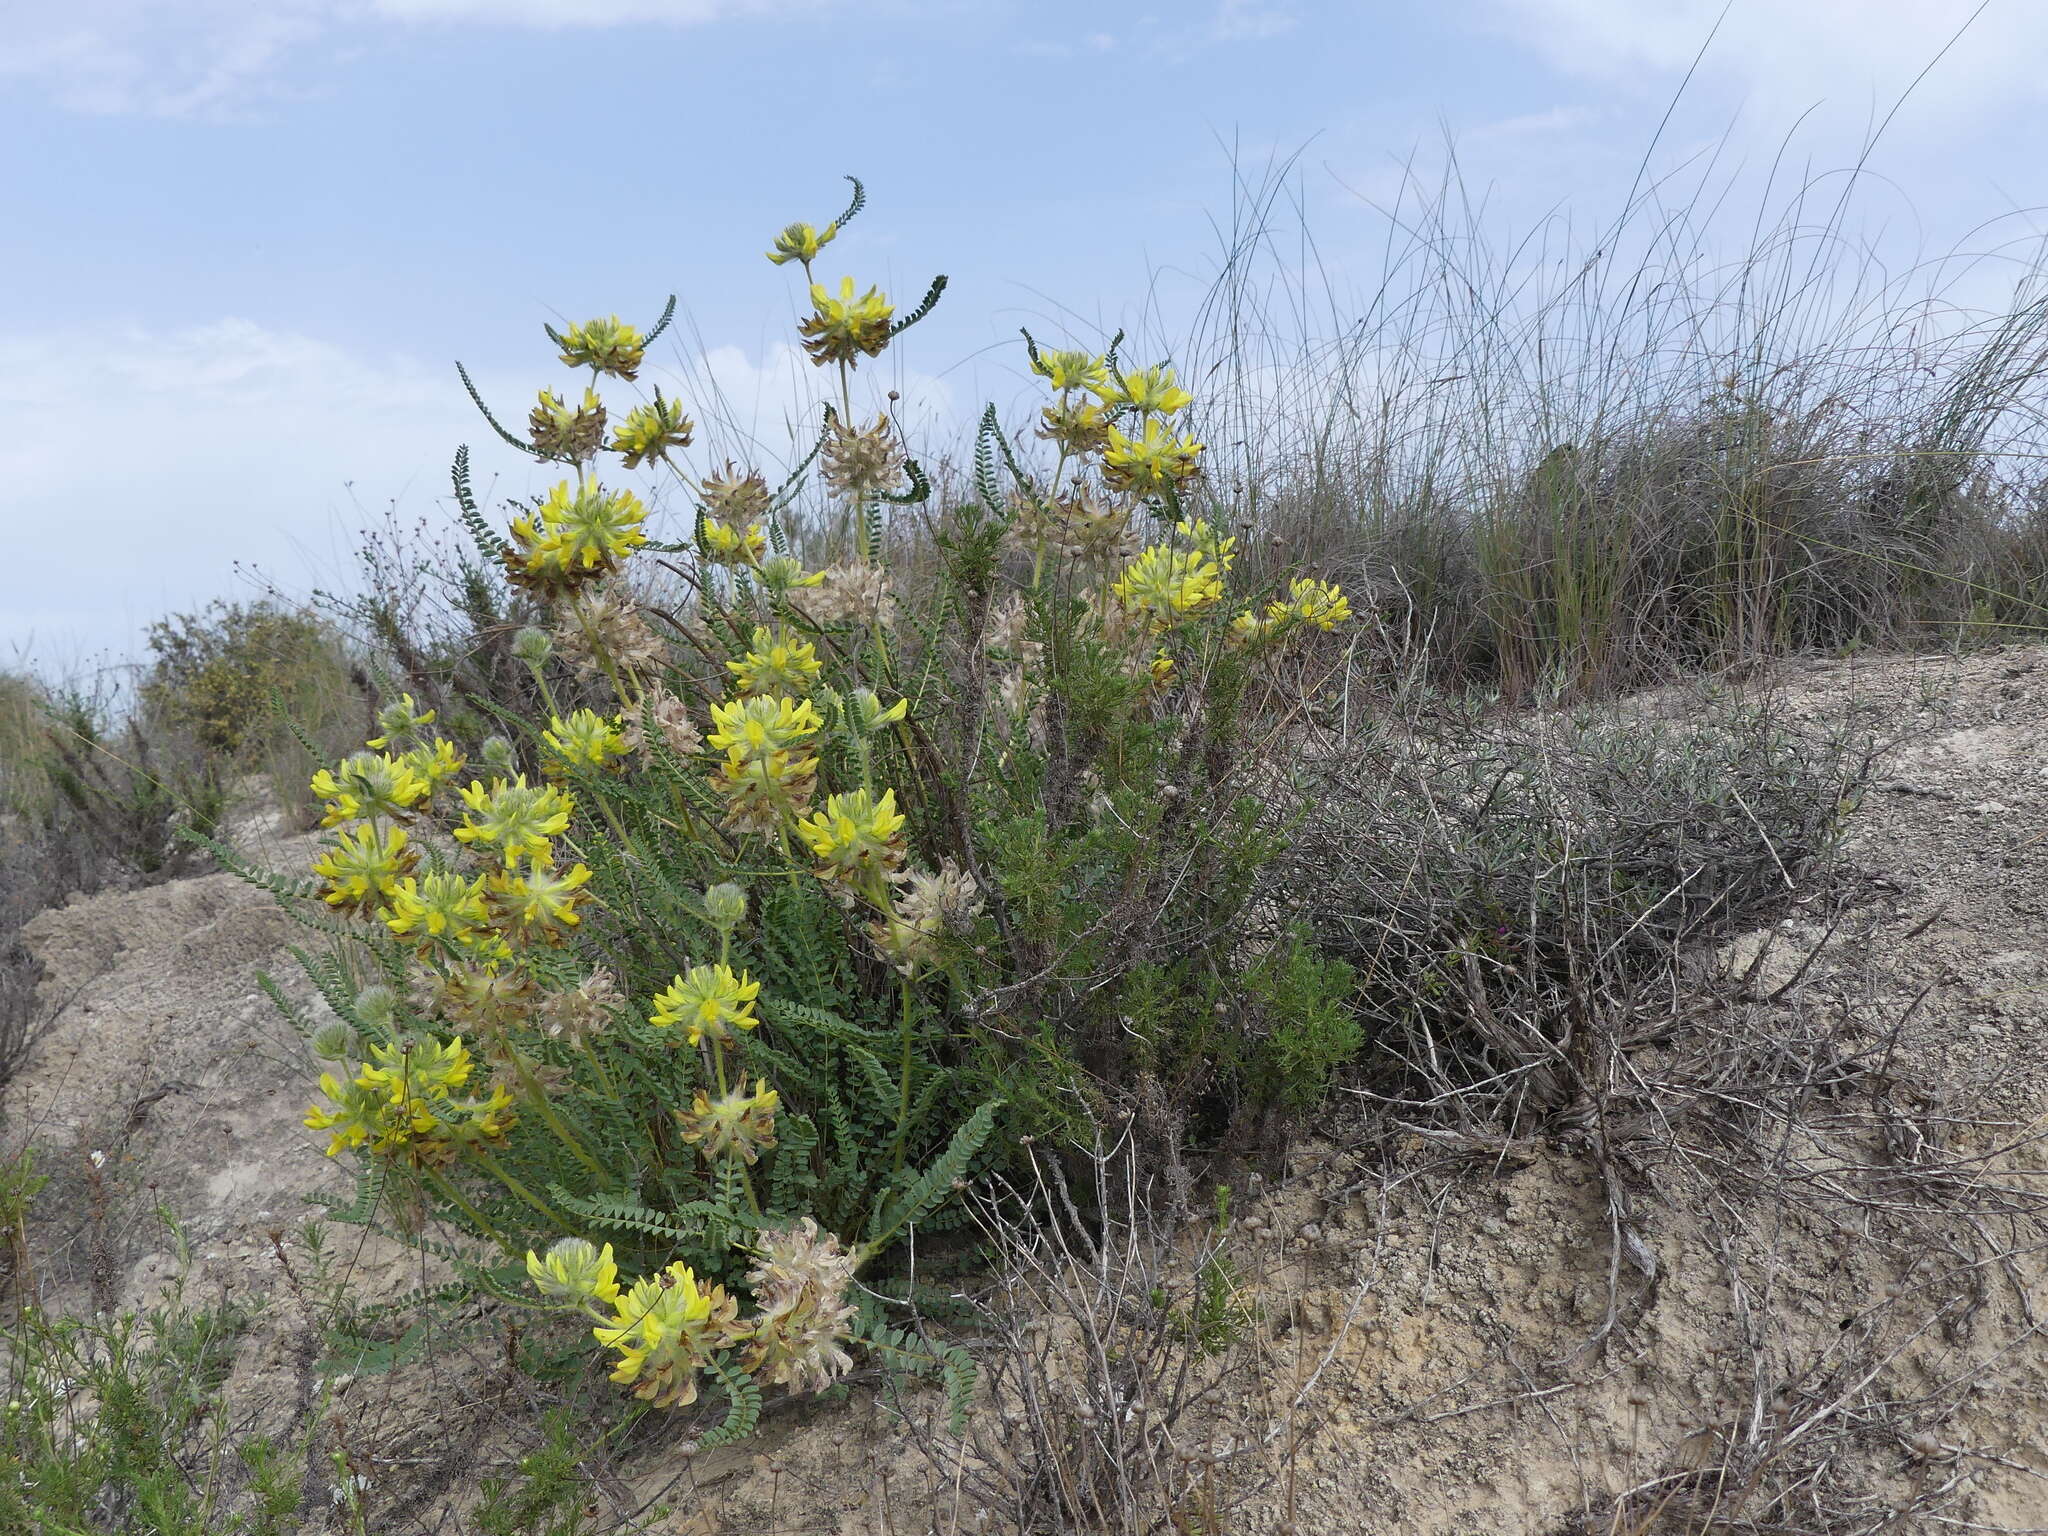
x=577, y=1015
x=596, y=625
x=862, y=463
x=564, y=431
x=664, y=717
x=850, y=593
x=733, y=497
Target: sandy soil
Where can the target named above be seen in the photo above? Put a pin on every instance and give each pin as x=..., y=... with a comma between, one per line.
x=1829, y=1311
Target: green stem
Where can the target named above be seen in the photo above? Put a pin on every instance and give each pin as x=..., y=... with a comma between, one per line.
x=497, y=1171
x=455, y=1198
x=604, y=1078
x=555, y=1122
x=903, y=1085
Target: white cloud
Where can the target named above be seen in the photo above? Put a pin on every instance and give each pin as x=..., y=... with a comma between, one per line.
x=1250, y=20
x=142, y=466
x=217, y=56
x=1857, y=55
x=570, y=13
x=109, y=56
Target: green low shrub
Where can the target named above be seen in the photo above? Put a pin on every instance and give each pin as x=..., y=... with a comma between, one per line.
x=755, y=929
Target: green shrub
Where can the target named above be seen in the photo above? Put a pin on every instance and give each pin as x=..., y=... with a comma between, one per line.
x=754, y=930
x=119, y=1424
x=219, y=676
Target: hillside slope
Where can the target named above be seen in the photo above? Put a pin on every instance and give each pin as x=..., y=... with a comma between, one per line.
x=1785, y=1282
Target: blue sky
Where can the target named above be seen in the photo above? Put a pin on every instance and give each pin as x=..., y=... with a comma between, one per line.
x=244, y=239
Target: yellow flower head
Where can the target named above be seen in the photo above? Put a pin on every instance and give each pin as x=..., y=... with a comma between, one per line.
x=402, y=718
x=1320, y=603
x=708, y=1002
x=598, y=527
x=841, y=329
x=575, y=1269
x=802, y=242
x=584, y=743
x=438, y=906
x=562, y=431
x=435, y=763
x=1149, y=391
x=368, y=784
x=417, y=1068
x=1168, y=585
x=1161, y=670
x=362, y=870
x=736, y=1124
x=786, y=573
x=515, y=818
x=652, y=432
x=725, y=544
x=665, y=1329
x=778, y=663
x=1151, y=462
x=404, y=1101
x=867, y=715
x=352, y=1113
x=608, y=345
x=579, y=531
x=1248, y=628
x=761, y=794
x=767, y=775
x=855, y=837
x=759, y=727
x=1071, y=370
x=1209, y=539
x=1080, y=427
x=539, y=905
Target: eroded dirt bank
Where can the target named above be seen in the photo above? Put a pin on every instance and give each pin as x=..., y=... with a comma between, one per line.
x=1787, y=1274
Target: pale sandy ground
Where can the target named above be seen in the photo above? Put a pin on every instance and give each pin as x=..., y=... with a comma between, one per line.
x=1420, y=1362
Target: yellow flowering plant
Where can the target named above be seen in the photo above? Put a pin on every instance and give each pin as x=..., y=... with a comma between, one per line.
x=665, y=957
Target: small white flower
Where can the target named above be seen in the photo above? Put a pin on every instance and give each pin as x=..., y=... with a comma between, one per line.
x=99, y=1159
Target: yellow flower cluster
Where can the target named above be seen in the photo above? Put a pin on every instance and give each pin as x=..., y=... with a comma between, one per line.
x=652, y=432
x=584, y=743
x=708, y=1002
x=562, y=431
x=735, y=1124
x=1309, y=604
x=1091, y=398
x=580, y=531
x=768, y=772
x=369, y=784
x=1165, y=585
x=802, y=242
x=605, y=346
x=842, y=328
x=665, y=1329
x=778, y=663
x=514, y=818
x=372, y=869
x=856, y=839
x=733, y=544
x=406, y=1101
x=362, y=869
x=1152, y=463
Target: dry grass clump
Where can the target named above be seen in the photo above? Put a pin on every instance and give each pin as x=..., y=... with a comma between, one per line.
x=1591, y=452
x=1505, y=887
